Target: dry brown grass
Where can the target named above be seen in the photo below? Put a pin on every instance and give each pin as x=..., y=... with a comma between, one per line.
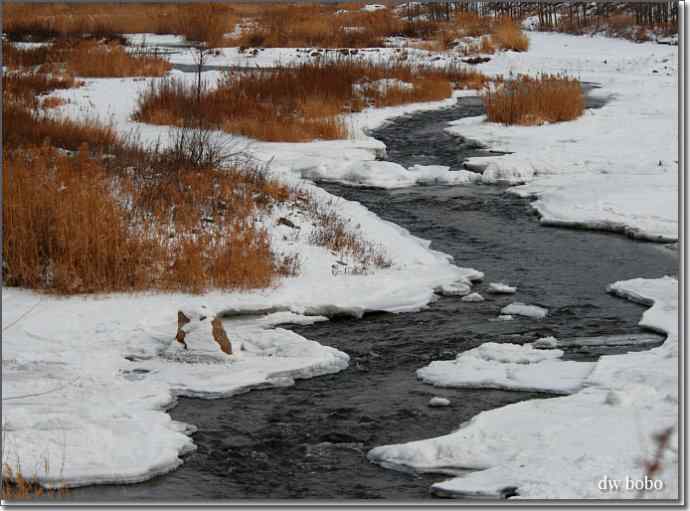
x=303, y=26
x=338, y=234
x=25, y=87
x=320, y=26
x=16, y=487
x=471, y=24
x=92, y=59
x=300, y=103
x=117, y=217
x=14, y=57
x=87, y=58
x=22, y=126
x=196, y=21
x=506, y=35
x=141, y=220
x=491, y=33
x=207, y=23
x=533, y=101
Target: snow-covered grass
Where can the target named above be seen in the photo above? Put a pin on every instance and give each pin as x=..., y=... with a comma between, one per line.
x=595, y=171
x=562, y=447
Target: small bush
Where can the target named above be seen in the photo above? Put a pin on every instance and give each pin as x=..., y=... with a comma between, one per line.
x=533, y=101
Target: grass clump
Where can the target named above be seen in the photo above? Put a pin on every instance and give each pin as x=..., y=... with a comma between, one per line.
x=527, y=101
x=299, y=103
x=319, y=25
x=108, y=21
x=87, y=58
x=96, y=60
x=506, y=35
x=139, y=219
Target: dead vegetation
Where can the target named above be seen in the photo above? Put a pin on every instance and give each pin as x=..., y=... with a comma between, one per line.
x=340, y=27
x=139, y=219
x=85, y=211
x=506, y=35
x=95, y=60
x=530, y=101
x=15, y=487
x=87, y=58
x=319, y=25
x=46, y=21
x=299, y=103
x=337, y=234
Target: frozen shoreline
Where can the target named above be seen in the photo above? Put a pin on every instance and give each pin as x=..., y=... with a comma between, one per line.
x=598, y=171
x=563, y=447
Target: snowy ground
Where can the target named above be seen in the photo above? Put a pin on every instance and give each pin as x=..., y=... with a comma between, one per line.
x=563, y=447
x=616, y=167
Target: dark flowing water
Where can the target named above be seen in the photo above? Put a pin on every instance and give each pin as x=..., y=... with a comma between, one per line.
x=310, y=440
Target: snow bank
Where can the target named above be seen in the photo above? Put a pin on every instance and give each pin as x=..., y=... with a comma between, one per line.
x=596, y=171
x=508, y=366
x=564, y=447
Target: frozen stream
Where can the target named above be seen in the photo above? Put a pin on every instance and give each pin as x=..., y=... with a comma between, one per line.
x=310, y=440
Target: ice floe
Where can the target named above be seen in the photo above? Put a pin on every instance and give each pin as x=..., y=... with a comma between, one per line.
x=508, y=366
x=521, y=309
